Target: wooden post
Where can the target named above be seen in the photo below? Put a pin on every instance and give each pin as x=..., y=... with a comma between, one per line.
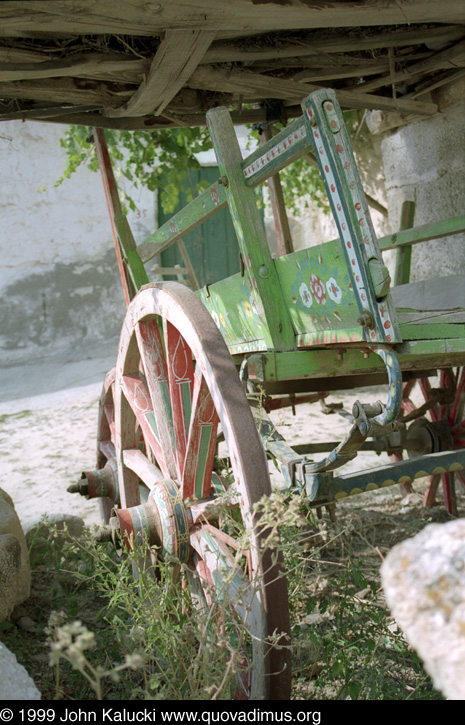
x=259, y=268
x=404, y=254
x=281, y=222
x=190, y=269
x=131, y=269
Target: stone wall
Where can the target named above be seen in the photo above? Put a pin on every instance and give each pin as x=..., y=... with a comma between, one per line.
x=424, y=162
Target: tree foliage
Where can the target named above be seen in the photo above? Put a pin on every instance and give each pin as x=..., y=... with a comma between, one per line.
x=159, y=159
x=162, y=160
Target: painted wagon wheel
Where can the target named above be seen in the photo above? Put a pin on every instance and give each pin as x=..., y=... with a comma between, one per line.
x=106, y=452
x=438, y=424
x=176, y=379
x=102, y=482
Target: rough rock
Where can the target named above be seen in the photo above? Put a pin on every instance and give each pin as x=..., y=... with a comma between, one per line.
x=41, y=526
x=424, y=582
x=15, y=683
x=15, y=574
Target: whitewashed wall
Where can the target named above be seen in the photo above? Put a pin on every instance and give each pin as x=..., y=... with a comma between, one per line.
x=59, y=284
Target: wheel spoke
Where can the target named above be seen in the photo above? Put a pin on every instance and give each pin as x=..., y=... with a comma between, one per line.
x=106, y=436
x=448, y=488
x=140, y=464
x=457, y=407
x=201, y=444
x=461, y=478
x=154, y=363
x=138, y=398
x=430, y=493
x=181, y=383
x=108, y=449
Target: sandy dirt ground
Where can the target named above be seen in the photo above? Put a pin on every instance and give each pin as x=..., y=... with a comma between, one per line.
x=48, y=435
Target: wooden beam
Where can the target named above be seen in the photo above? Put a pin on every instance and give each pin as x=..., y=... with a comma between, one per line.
x=10, y=54
x=66, y=90
x=433, y=84
x=178, y=55
x=434, y=230
x=281, y=222
x=342, y=42
x=47, y=113
x=447, y=59
x=146, y=123
x=312, y=75
x=118, y=68
x=252, y=85
x=20, y=18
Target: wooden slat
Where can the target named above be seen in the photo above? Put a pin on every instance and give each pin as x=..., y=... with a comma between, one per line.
x=194, y=282
x=424, y=233
x=66, y=90
x=431, y=85
x=252, y=86
x=313, y=43
x=404, y=254
x=229, y=18
x=281, y=221
x=169, y=270
x=119, y=68
x=276, y=153
x=146, y=123
x=177, y=56
x=199, y=210
x=58, y=113
x=439, y=293
x=450, y=58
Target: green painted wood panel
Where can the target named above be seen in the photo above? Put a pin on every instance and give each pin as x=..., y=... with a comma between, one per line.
x=212, y=246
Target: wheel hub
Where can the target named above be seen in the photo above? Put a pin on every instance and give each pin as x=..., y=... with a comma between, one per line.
x=161, y=522
x=425, y=437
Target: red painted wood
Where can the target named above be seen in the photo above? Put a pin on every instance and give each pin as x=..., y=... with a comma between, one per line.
x=152, y=354
x=181, y=382
x=457, y=407
x=114, y=206
x=108, y=449
x=448, y=487
x=203, y=426
x=139, y=399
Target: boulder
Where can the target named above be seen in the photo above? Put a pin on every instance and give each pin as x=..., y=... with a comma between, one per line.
x=424, y=582
x=15, y=683
x=40, y=527
x=15, y=574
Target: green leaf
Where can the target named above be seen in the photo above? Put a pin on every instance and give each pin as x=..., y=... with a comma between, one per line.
x=310, y=605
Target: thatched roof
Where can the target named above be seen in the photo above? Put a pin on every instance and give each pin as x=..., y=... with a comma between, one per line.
x=143, y=64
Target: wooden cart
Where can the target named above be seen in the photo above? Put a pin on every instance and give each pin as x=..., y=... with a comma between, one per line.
x=197, y=368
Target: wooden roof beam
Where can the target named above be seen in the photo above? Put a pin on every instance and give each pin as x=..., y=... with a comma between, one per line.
x=101, y=66
x=255, y=85
x=67, y=90
x=241, y=17
x=451, y=58
x=343, y=42
x=178, y=55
